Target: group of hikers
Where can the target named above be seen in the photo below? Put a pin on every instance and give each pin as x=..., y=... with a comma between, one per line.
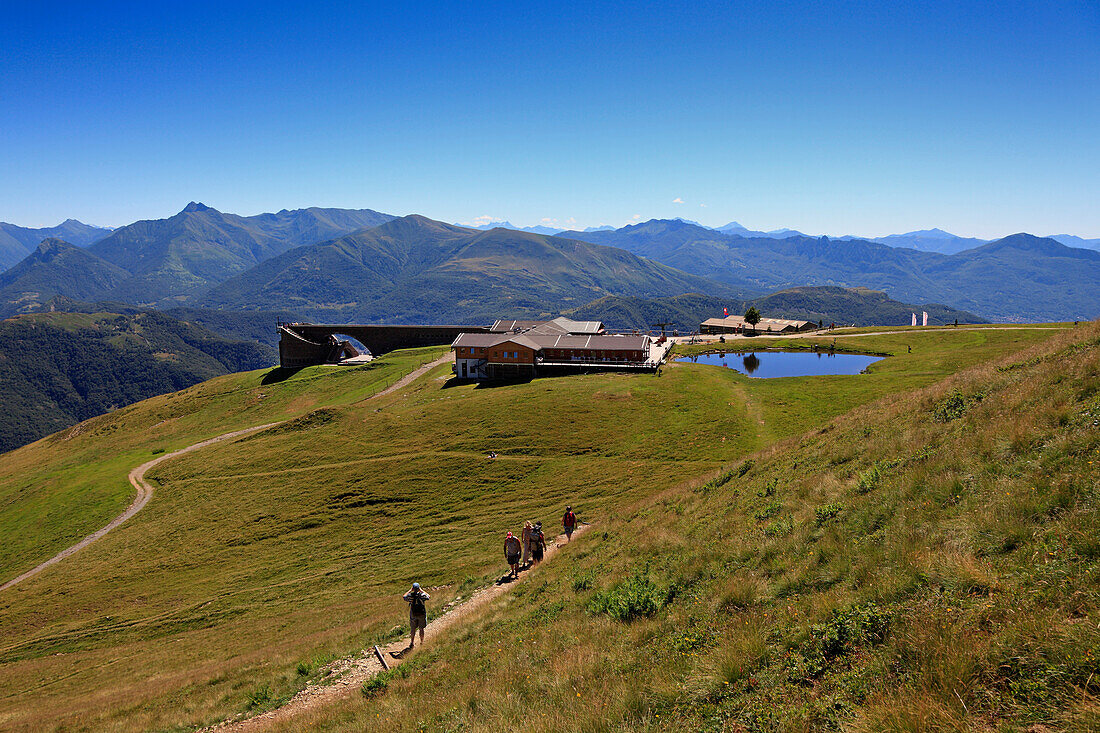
x=527, y=550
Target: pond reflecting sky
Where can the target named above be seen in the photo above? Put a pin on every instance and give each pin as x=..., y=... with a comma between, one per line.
x=770, y=364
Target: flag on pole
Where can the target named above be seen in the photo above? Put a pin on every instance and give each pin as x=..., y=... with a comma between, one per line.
x=914, y=319
x=925, y=318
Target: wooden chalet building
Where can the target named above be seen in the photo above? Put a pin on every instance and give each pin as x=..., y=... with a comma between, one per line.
x=524, y=349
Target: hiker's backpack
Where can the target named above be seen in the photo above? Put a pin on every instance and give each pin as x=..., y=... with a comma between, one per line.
x=417, y=604
x=570, y=519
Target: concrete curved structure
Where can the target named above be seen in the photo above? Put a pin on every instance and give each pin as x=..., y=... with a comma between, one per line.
x=307, y=344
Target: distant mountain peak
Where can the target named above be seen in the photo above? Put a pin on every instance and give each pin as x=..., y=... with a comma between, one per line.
x=52, y=245
x=194, y=207
x=933, y=233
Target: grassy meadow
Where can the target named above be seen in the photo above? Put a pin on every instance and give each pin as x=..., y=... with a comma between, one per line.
x=258, y=560
x=927, y=562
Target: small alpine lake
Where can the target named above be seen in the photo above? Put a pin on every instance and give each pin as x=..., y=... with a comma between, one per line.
x=771, y=364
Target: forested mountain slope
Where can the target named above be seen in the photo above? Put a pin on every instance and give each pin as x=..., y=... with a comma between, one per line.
x=59, y=368
x=843, y=306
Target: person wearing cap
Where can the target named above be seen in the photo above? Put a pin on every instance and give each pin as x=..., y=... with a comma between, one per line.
x=418, y=613
x=512, y=549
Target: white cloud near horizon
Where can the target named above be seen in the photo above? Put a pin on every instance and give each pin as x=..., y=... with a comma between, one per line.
x=480, y=221
x=677, y=200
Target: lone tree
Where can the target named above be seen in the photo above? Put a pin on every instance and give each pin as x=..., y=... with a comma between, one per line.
x=752, y=317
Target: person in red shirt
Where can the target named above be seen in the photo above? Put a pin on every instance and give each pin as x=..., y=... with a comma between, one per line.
x=569, y=523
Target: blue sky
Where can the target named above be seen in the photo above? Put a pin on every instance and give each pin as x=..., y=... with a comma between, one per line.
x=851, y=117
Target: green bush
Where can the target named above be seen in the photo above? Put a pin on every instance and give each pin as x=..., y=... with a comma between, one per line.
x=866, y=624
x=634, y=598
x=377, y=684
x=779, y=528
x=769, y=511
x=259, y=696
x=824, y=513
x=869, y=480
x=954, y=406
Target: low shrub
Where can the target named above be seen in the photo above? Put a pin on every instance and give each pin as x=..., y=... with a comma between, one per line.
x=824, y=513
x=634, y=598
x=954, y=406
x=259, y=696
x=769, y=511
x=377, y=684
x=865, y=624
x=868, y=480
x=779, y=528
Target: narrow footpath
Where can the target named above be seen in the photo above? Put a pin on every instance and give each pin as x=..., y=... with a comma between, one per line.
x=144, y=493
x=145, y=490
x=345, y=677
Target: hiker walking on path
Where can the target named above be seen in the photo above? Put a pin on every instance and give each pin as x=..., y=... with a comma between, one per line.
x=418, y=613
x=538, y=543
x=512, y=549
x=526, y=539
x=569, y=523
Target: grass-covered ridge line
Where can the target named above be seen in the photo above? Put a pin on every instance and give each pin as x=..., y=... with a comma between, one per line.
x=268, y=554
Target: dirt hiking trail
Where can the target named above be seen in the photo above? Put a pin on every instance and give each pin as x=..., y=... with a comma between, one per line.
x=345, y=677
x=144, y=493
x=411, y=377
x=145, y=490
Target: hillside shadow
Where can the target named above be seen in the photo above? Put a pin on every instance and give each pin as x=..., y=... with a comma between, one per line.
x=279, y=374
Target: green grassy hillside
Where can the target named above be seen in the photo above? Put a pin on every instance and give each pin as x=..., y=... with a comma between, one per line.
x=928, y=562
x=257, y=560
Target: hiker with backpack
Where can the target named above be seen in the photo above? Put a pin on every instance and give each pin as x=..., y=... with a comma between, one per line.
x=538, y=543
x=418, y=613
x=512, y=550
x=569, y=523
x=525, y=538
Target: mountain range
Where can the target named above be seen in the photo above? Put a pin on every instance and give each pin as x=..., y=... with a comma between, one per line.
x=1017, y=278
x=164, y=262
x=17, y=242
x=926, y=240
x=420, y=270
x=369, y=266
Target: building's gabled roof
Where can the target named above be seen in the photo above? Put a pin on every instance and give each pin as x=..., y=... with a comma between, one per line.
x=601, y=342
x=478, y=340
x=506, y=325
x=487, y=340
x=520, y=339
x=540, y=341
x=558, y=325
